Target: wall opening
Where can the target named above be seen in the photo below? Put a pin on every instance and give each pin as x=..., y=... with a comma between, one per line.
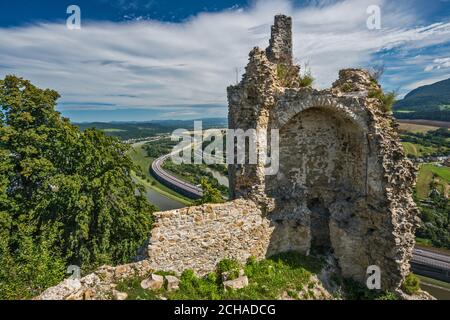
x=322, y=163
x=320, y=230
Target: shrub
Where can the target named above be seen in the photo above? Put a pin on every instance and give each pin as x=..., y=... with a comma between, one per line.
x=288, y=76
x=251, y=260
x=387, y=99
x=387, y=296
x=268, y=279
x=66, y=196
x=31, y=268
x=210, y=193
x=357, y=291
x=411, y=284
x=194, y=288
x=283, y=75
x=347, y=87
x=306, y=80
x=230, y=267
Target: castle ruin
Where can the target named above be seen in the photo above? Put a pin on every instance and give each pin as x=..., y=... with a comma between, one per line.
x=344, y=185
x=343, y=188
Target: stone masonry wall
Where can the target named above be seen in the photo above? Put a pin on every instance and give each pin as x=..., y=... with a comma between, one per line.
x=343, y=189
x=199, y=237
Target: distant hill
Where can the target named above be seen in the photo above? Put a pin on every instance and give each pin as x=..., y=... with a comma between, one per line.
x=135, y=129
x=430, y=102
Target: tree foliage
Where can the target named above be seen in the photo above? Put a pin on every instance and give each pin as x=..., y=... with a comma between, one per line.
x=66, y=196
x=411, y=284
x=435, y=215
x=210, y=193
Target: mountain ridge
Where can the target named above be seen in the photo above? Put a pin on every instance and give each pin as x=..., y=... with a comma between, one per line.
x=430, y=102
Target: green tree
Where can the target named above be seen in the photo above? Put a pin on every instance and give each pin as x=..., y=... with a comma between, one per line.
x=210, y=194
x=29, y=264
x=62, y=190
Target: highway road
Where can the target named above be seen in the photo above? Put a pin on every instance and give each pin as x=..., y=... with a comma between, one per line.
x=178, y=185
x=431, y=264
x=170, y=181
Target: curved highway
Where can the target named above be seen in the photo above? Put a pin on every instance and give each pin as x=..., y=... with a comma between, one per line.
x=173, y=182
x=431, y=264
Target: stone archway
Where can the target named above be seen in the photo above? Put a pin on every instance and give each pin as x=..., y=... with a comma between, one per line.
x=323, y=161
x=323, y=151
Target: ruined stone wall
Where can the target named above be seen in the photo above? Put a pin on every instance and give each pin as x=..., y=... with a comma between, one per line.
x=343, y=189
x=280, y=44
x=199, y=237
x=344, y=185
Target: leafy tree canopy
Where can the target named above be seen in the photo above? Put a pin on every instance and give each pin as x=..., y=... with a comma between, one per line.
x=210, y=193
x=65, y=195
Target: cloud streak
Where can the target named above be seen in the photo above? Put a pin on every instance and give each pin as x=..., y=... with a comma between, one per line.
x=155, y=65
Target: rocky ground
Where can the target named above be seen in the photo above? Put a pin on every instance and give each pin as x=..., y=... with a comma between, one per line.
x=285, y=278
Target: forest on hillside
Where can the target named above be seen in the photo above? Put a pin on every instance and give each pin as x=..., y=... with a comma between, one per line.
x=430, y=102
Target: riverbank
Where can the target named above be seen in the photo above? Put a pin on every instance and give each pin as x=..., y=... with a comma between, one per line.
x=438, y=289
x=158, y=194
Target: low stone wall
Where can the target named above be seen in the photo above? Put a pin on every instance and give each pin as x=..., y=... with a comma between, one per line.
x=199, y=237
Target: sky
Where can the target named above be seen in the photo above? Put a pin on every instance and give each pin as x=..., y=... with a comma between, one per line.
x=145, y=60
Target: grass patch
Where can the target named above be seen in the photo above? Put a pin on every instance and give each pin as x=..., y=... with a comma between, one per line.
x=423, y=241
x=268, y=279
x=434, y=143
x=357, y=291
x=427, y=173
x=434, y=282
x=387, y=99
x=305, y=81
x=288, y=76
x=417, y=150
x=230, y=267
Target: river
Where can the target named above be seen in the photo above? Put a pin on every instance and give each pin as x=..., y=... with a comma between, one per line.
x=161, y=201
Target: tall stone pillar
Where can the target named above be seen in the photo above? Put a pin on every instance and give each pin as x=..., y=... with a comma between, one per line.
x=280, y=45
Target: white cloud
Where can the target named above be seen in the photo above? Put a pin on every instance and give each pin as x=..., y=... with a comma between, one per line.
x=440, y=63
x=150, y=64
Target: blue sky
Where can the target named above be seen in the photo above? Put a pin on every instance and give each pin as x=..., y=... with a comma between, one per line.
x=144, y=60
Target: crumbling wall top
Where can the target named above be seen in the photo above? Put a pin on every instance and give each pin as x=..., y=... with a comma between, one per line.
x=280, y=45
x=354, y=81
